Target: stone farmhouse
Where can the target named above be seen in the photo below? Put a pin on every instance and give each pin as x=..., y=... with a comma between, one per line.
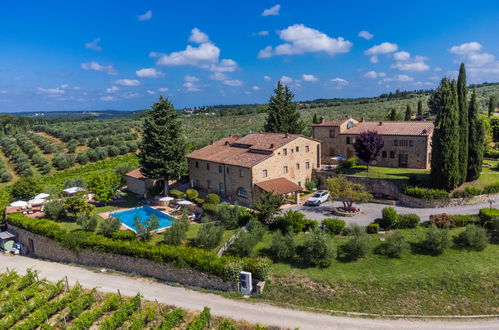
x=406, y=143
x=239, y=169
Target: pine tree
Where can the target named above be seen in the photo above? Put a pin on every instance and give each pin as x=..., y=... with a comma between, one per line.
x=492, y=105
x=420, y=108
x=445, y=169
x=315, y=120
x=162, y=150
x=282, y=116
x=408, y=113
x=462, y=99
x=476, y=140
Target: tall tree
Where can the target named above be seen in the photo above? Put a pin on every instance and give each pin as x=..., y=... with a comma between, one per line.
x=368, y=145
x=492, y=105
x=315, y=120
x=162, y=150
x=282, y=116
x=445, y=169
x=476, y=140
x=420, y=108
x=408, y=113
x=462, y=99
x=393, y=115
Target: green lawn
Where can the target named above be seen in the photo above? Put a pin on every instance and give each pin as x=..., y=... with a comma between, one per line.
x=399, y=176
x=457, y=282
x=490, y=174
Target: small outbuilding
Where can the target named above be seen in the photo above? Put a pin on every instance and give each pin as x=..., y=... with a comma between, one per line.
x=137, y=183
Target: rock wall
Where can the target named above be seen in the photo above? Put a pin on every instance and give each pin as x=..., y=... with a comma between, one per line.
x=385, y=187
x=43, y=247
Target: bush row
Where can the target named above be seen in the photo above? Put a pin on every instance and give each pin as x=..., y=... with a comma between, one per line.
x=227, y=268
x=425, y=193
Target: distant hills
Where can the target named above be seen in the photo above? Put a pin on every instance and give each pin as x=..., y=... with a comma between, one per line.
x=97, y=114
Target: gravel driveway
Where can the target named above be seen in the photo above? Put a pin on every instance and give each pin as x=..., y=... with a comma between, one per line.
x=371, y=211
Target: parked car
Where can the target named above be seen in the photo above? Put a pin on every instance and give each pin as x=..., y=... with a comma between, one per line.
x=318, y=198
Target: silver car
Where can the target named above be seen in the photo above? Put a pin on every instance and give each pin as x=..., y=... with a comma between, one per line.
x=321, y=196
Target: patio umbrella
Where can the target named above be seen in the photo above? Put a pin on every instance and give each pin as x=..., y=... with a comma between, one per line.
x=338, y=158
x=184, y=203
x=73, y=190
x=166, y=199
x=37, y=201
x=41, y=196
x=19, y=204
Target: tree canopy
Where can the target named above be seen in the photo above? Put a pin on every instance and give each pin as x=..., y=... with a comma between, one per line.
x=476, y=140
x=282, y=116
x=368, y=145
x=347, y=192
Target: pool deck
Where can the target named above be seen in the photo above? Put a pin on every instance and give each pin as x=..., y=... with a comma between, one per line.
x=164, y=209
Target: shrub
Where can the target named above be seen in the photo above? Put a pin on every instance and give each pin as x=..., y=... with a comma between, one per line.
x=354, y=229
x=212, y=199
x=209, y=236
x=211, y=209
x=178, y=231
x=425, y=193
x=346, y=165
x=405, y=221
x=468, y=192
x=333, y=225
x=177, y=194
x=283, y=246
x=436, y=241
x=109, y=226
x=441, y=220
x=198, y=201
x=487, y=215
x=394, y=245
x=124, y=235
x=389, y=218
x=25, y=188
x=87, y=222
x=491, y=188
x=318, y=249
x=356, y=247
x=54, y=210
x=311, y=184
x=229, y=215
x=310, y=225
x=473, y=238
x=462, y=220
x=291, y=221
x=372, y=228
x=191, y=194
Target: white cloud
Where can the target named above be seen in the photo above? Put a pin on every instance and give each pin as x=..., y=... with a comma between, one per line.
x=374, y=74
x=402, y=56
x=286, y=80
x=191, y=78
x=480, y=59
x=366, y=35
x=400, y=78
x=146, y=16
x=107, y=98
x=191, y=87
x=255, y=88
x=3, y=92
x=383, y=48
x=374, y=59
x=93, y=45
x=274, y=11
x=127, y=82
x=218, y=76
x=149, y=73
x=112, y=89
x=267, y=78
x=466, y=48
x=50, y=91
x=150, y=92
x=340, y=81
x=198, y=37
x=309, y=78
x=437, y=68
x=233, y=82
x=301, y=39
x=69, y=87
x=263, y=33
x=163, y=89
x=94, y=66
x=225, y=65
x=416, y=66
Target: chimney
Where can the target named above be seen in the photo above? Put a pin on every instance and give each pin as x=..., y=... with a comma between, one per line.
x=380, y=123
x=227, y=143
x=272, y=146
x=322, y=120
x=286, y=135
x=362, y=119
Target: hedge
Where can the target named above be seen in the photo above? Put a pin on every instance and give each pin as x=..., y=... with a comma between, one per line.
x=225, y=267
x=491, y=188
x=425, y=193
x=489, y=216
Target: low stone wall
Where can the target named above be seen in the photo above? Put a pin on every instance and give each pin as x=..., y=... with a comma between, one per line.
x=43, y=247
x=385, y=187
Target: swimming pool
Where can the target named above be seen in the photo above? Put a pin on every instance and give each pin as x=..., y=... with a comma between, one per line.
x=127, y=217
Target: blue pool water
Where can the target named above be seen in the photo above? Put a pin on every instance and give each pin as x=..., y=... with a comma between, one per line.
x=127, y=217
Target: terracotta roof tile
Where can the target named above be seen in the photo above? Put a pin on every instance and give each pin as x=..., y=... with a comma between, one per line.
x=332, y=123
x=413, y=128
x=279, y=186
x=136, y=174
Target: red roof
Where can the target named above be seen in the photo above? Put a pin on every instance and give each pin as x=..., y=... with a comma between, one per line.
x=279, y=186
x=412, y=128
x=332, y=123
x=136, y=174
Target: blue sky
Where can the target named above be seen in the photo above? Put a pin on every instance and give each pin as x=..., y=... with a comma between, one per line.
x=82, y=55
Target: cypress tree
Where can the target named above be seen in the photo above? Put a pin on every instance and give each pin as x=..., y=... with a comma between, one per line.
x=282, y=116
x=393, y=115
x=462, y=99
x=492, y=105
x=408, y=113
x=476, y=140
x=420, y=108
x=445, y=169
x=315, y=120
x=162, y=150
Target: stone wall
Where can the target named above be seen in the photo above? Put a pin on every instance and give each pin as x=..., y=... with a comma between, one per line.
x=43, y=247
x=385, y=187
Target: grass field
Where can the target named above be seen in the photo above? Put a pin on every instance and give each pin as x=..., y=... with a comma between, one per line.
x=29, y=303
x=457, y=282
